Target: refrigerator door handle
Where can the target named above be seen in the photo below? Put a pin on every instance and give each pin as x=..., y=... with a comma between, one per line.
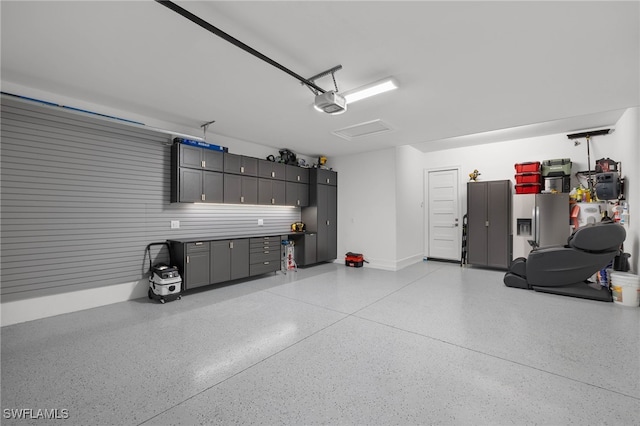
x=536, y=225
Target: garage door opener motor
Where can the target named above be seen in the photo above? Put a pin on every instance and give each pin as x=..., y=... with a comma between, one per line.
x=165, y=282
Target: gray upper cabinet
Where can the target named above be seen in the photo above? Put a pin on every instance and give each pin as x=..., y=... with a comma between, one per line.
x=196, y=186
x=271, y=170
x=271, y=192
x=196, y=174
x=204, y=175
x=296, y=174
x=240, y=164
x=323, y=176
x=200, y=158
x=212, y=187
x=297, y=194
x=239, y=189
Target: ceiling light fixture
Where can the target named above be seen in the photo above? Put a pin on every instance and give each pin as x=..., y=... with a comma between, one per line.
x=372, y=89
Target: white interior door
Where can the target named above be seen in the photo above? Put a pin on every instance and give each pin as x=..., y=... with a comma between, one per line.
x=443, y=224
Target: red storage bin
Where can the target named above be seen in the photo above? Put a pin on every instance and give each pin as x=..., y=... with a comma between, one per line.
x=531, y=167
x=528, y=188
x=528, y=178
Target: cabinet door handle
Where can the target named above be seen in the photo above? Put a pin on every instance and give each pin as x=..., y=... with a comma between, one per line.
x=298, y=202
x=230, y=244
x=266, y=252
x=242, y=198
x=203, y=163
x=486, y=223
x=202, y=197
x=187, y=259
x=328, y=180
x=273, y=174
x=199, y=243
x=241, y=169
x=266, y=263
x=327, y=223
x=273, y=201
x=298, y=178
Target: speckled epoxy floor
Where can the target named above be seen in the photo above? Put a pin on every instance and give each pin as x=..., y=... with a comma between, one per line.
x=430, y=344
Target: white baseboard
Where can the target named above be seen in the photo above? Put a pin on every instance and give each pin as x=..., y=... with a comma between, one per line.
x=18, y=311
x=393, y=265
x=407, y=261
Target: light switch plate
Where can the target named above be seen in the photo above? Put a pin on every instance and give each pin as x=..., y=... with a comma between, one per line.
x=175, y=224
x=260, y=222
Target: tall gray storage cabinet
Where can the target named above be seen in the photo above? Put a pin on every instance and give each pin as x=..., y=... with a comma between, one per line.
x=321, y=216
x=489, y=223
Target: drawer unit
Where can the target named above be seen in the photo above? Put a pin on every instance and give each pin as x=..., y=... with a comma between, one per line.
x=264, y=255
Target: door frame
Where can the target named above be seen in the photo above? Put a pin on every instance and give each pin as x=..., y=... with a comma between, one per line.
x=425, y=205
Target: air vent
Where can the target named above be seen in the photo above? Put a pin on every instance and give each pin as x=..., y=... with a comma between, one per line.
x=363, y=129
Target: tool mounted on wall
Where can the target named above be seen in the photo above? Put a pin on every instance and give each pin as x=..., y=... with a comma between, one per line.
x=588, y=136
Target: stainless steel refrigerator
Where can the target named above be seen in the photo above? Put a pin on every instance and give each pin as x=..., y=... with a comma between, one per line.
x=541, y=218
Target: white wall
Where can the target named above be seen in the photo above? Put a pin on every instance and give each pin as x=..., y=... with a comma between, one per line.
x=628, y=136
x=367, y=206
x=496, y=161
x=378, y=190
x=409, y=206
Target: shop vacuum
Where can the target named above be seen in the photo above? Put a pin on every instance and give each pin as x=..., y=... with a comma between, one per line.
x=165, y=282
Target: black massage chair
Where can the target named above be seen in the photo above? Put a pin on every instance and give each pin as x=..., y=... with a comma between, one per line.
x=566, y=269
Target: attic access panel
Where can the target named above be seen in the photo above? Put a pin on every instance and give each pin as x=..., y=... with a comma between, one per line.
x=363, y=129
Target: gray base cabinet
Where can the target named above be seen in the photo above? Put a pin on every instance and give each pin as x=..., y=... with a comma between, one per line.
x=192, y=260
x=215, y=261
x=305, y=248
x=489, y=236
x=229, y=260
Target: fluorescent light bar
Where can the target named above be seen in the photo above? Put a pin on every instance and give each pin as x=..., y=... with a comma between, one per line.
x=371, y=89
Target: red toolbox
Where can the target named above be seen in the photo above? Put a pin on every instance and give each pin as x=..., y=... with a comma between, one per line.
x=530, y=167
x=528, y=188
x=528, y=178
x=355, y=260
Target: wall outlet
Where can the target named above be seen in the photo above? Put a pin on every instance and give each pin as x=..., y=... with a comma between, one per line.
x=175, y=224
x=260, y=222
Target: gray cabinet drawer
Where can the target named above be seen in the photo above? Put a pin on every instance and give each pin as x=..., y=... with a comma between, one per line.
x=264, y=267
x=200, y=246
x=270, y=240
x=264, y=256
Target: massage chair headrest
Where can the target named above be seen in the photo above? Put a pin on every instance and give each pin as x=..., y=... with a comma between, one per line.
x=598, y=237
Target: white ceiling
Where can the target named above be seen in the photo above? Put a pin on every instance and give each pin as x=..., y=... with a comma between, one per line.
x=464, y=67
